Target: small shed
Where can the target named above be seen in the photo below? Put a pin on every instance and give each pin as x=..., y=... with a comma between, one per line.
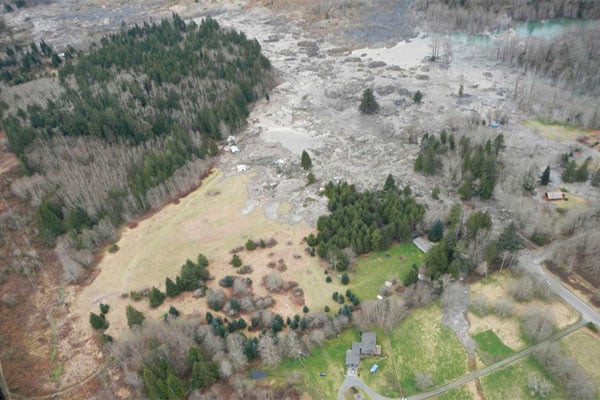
x=423, y=243
x=554, y=196
x=374, y=368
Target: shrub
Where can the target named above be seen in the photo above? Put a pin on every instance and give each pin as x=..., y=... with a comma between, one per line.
x=236, y=261
x=326, y=309
x=98, y=322
x=104, y=308
x=310, y=178
x=250, y=245
x=156, y=297
x=104, y=338
x=113, y=248
x=328, y=279
x=305, y=309
x=135, y=295
x=227, y=281
x=134, y=317
x=174, y=312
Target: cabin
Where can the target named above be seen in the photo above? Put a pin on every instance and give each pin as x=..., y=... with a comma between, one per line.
x=555, y=196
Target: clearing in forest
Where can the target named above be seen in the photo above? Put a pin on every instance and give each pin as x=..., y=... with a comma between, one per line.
x=209, y=221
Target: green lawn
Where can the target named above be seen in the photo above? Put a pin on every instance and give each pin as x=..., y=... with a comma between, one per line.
x=510, y=382
x=418, y=344
x=328, y=358
x=490, y=347
x=372, y=271
x=460, y=393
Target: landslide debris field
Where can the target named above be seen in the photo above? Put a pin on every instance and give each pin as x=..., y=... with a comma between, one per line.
x=322, y=66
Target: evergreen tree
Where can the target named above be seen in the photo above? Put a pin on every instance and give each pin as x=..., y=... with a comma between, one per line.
x=156, y=297
x=545, y=178
x=236, y=261
x=509, y=239
x=98, y=321
x=418, y=97
x=411, y=277
x=134, y=317
x=436, y=232
x=50, y=223
x=345, y=279
x=176, y=388
x=390, y=183
x=368, y=104
x=305, y=161
x=171, y=288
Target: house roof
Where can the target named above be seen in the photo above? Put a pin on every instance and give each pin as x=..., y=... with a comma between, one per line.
x=368, y=342
x=423, y=244
x=554, y=195
x=351, y=358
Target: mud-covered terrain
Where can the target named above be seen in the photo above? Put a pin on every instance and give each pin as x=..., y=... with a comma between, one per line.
x=324, y=59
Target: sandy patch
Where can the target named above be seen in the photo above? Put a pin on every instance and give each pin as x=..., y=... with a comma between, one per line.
x=208, y=223
x=405, y=54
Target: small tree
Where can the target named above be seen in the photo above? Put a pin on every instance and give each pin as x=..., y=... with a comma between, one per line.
x=156, y=297
x=171, y=288
x=545, y=178
x=310, y=179
x=173, y=311
x=390, y=183
x=134, y=317
x=436, y=232
x=368, y=104
x=236, y=261
x=98, y=322
x=305, y=309
x=250, y=245
x=104, y=308
x=435, y=193
x=345, y=279
x=418, y=97
x=461, y=91
x=305, y=161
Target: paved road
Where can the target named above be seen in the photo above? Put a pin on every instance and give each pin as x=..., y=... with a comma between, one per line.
x=532, y=261
x=355, y=381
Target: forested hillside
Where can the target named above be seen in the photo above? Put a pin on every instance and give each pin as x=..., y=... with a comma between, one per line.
x=137, y=117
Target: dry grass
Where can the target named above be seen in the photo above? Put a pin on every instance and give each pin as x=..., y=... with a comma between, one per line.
x=584, y=346
x=209, y=221
x=494, y=288
x=561, y=132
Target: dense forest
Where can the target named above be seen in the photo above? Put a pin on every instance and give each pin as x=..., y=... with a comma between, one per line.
x=364, y=221
x=136, y=119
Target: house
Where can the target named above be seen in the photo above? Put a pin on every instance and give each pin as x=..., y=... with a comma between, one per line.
x=366, y=347
x=554, y=196
x=368, y=342
x=352, y=359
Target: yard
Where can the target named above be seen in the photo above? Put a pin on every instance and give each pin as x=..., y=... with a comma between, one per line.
x=418, y=345
x=329, y=358
x=372, y=271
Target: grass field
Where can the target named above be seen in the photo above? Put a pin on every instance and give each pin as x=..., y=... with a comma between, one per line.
x=511, y=382
x=461, y=393
x=556, y=131
x=418, y=344
x=490, y=347
x=372, y=271
x=328, y=358
x=208, y=220
x=584, y=347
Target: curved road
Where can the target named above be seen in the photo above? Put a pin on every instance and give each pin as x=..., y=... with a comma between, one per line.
x=532, y=261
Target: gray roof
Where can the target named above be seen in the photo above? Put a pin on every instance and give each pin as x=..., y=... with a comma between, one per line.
x=352, y=359
x=369, y=342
